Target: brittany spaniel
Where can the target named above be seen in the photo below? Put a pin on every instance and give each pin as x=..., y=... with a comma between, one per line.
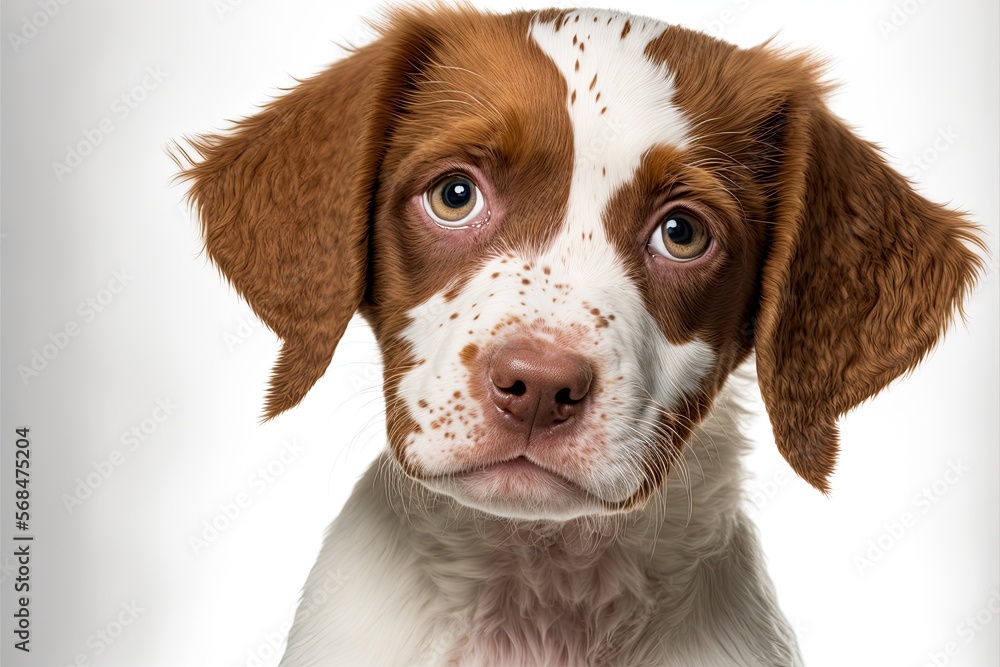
x=568, y=229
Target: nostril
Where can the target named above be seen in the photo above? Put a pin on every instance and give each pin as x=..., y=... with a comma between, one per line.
x=565, y=397
x=516, y=389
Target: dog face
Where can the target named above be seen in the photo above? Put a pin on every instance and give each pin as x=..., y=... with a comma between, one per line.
x=566, y=230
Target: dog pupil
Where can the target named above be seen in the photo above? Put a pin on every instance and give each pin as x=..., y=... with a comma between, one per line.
x=457, y=194
x=678, y=230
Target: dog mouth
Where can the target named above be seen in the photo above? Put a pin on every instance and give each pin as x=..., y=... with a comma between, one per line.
x=516, y=487
x=520, y=470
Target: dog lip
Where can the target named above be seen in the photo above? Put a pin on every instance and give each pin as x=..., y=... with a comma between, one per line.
x=515, y=463
x=521, y=464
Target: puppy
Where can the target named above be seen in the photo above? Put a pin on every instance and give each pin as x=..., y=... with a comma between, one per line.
x=568, y=229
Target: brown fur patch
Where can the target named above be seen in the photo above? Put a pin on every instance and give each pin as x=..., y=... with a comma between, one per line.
x=860, y=274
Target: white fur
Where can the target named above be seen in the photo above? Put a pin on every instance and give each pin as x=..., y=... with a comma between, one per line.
x=428, y=580
x=638, y=95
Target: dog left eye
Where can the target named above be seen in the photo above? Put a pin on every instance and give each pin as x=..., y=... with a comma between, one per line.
x=680, y=237
x=454, y=201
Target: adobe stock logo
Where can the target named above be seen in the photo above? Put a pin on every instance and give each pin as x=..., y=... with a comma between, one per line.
x=57, y=341
x=32, y=24
x=896, y=530
x=230, y=511
x=900, y=15
x=121, y=108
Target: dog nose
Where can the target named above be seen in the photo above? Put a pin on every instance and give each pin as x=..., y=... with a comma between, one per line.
x=539, y=387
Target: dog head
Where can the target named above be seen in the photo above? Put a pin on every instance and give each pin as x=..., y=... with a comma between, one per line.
x=567, y=229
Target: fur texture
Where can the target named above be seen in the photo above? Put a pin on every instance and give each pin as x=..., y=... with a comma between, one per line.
x=603, y=527
x=428, y=581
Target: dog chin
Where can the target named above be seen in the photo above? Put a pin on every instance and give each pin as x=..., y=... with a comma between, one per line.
x=518, y=490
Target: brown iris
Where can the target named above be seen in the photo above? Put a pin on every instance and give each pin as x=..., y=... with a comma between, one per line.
x=453, y=200
x=681, y=237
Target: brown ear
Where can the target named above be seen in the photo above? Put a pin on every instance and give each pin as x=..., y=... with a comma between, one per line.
x=862, y=277
x=286, y=197
x=284, y=204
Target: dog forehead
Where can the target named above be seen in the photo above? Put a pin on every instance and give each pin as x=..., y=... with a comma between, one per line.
x=620, y=105
x=619, y=101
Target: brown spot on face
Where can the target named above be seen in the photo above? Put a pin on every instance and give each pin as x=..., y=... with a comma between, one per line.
x=495, y=275
x=572, y=98
x=598, y=99
x=535, y=141
x=457, y=394
x=422, y=403
x=593, y=82
x=574, y=42
x=468, y=354
x=576, y=67
x=581, y=47
x=708, y=299
x=604, y=110
x=525, y=281
x=546, y=270
x=453, y=316
x=627, y=28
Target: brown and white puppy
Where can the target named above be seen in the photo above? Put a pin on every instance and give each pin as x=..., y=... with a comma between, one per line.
x=567, y=230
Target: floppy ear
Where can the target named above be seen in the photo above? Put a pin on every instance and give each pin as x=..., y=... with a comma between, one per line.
x=862, y=277
x=284, y=202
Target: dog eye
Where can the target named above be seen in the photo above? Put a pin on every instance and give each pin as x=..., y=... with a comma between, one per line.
x=454, y=201
x=680, y=237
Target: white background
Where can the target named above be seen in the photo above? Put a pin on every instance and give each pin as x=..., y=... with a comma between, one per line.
x=169, y=336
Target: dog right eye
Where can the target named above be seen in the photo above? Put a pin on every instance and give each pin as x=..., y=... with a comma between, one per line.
x=455, y=202
x=681, y=237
